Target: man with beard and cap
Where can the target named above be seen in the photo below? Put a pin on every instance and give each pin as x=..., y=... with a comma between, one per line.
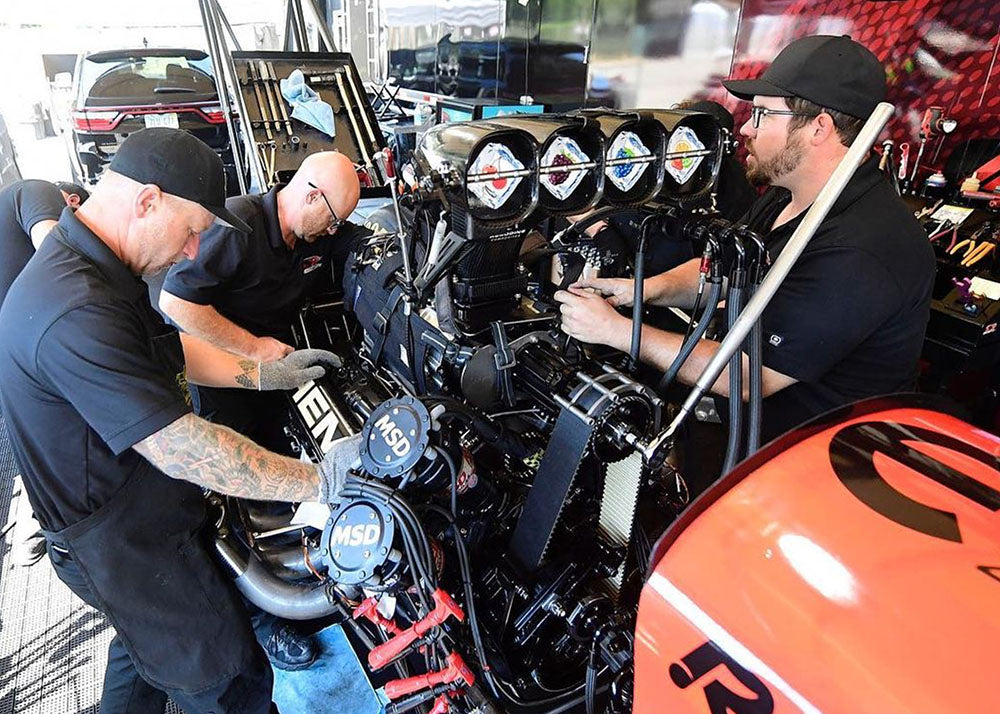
x=92, y=384
x=848, y=322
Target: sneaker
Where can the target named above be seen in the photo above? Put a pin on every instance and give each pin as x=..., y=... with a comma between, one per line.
x=289, y=650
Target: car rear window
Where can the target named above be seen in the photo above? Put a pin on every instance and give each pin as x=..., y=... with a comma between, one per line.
x=154, y=79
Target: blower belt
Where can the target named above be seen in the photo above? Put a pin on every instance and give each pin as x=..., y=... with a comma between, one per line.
x=569, y=443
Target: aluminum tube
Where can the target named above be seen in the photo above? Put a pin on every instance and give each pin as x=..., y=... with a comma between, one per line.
x=361, y=108
x=322, y=27
x=288, y=561
x=302, y=38
x=225, y=24
x=856, y=154
x=345, y=100
x=269, y=93
x=401, y=234
x=213, y=39
x=271, y=594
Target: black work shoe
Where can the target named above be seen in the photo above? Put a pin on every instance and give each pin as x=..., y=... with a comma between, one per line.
x=289, y=650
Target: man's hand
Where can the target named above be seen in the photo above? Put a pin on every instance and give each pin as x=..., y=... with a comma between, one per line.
x=590, y=318
x=619, y=291
x=296, y=369
x=268, y=349
x=344, y=454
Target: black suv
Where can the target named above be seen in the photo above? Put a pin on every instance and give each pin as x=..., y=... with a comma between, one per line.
x=118, y=92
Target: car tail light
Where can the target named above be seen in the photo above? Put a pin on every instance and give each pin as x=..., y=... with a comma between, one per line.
x=214, y=114
x=95, y=121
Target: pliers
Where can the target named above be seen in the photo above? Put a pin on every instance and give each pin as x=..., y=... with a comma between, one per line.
x=972, y=241
x=980, y=252
x=942, y=229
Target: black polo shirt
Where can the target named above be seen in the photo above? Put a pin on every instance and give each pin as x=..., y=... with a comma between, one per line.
x=254, y=279
x=22, y=205
x=87, y=370
x=849, y=320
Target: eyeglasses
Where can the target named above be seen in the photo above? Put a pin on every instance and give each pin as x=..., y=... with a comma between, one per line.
x=758, y=113
x=336, y=222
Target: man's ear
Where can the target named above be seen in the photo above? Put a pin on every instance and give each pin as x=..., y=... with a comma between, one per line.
x=147, y=200
x=824, y=129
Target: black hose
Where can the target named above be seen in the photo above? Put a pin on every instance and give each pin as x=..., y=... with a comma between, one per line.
x=637, y=293
x=596, y=217
x=470, y=603
x=453, y=473
x=734, y=303
x=714, y=291
x=694, y=309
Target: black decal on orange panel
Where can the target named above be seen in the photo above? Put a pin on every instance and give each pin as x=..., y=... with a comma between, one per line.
x=852, y=455
x=992, y=571
x=721, y=699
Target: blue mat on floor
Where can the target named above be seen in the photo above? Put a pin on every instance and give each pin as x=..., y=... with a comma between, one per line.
x=336, y=682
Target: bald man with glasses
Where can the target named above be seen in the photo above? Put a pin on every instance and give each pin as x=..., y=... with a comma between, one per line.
x=243, y=291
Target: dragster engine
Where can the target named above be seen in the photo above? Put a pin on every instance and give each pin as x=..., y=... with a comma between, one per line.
x=490, y=544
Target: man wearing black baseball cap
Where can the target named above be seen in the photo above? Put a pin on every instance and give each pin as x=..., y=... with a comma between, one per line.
x=848, y=322
x=92, y=385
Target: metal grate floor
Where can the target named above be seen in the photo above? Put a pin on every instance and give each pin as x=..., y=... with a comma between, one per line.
x=53, y=647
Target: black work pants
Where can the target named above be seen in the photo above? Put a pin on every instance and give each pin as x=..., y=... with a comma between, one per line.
x=126, y=692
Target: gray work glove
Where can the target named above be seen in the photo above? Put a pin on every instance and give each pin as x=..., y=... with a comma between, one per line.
x=295, y=369
x=343, y=455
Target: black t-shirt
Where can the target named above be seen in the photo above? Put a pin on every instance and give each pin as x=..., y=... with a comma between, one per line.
x=254, y=279
x=22, y=205
x=87, y=370
x=848, y=321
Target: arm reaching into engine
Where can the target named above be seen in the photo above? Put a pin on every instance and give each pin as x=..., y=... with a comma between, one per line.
x=675, y=288
x=205, y=322
x=590, y=318
x=210, y=366
x=217, y=458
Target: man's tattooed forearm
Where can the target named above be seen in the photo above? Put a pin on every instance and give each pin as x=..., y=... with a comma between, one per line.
x=216, y=457
x=248, y=376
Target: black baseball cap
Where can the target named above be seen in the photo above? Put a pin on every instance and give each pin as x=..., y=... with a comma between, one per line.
x=832, y=71
x=180, y=165
x=70, y=187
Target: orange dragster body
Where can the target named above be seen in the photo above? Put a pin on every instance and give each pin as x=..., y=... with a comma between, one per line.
x=853, y=566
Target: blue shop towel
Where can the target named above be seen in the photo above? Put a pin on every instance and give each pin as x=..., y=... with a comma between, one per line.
x=335, y=682
x=307, y=107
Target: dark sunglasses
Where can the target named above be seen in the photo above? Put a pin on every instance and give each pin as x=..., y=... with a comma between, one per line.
x=336, y=222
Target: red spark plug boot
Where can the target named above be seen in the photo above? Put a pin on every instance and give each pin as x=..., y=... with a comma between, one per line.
x=444, y=608
x=456, y=671
x=369, y=610
x=441, y=705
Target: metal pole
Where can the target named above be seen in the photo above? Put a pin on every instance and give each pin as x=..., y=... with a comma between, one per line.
x=289, y=29
x=300, y=24
x=856, y=154
x=225, y=23
x=324, y=29
x=244, y=114
x=214, y=48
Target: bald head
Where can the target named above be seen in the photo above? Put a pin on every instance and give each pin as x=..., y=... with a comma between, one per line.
x=328, y=175
x=332, y=173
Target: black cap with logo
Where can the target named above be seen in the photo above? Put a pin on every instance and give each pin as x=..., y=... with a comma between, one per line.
x=180, y=165
x=832, y=71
